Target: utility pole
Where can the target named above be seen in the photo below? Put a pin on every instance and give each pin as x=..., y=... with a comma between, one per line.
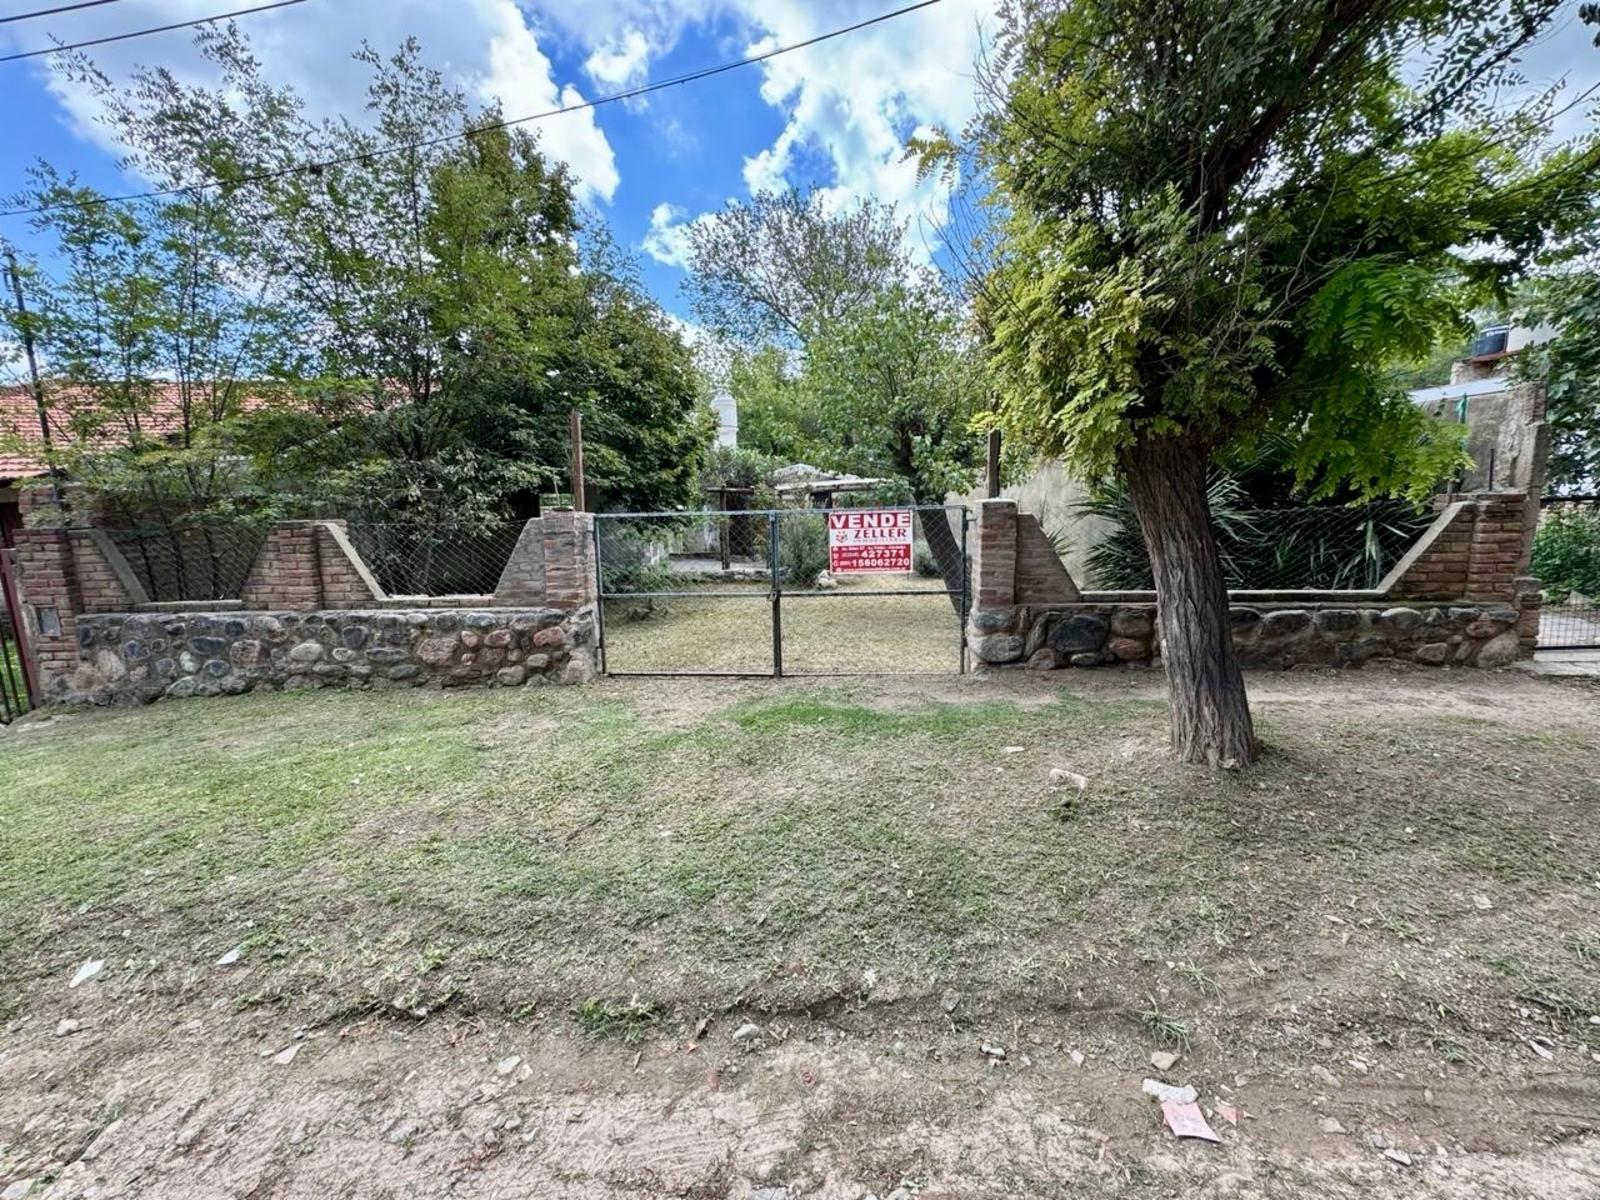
x=575, y=435
x=26, y=329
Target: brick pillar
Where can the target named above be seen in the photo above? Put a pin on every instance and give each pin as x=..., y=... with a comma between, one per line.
x=106, y=583
x=522, y=581
x=994, y=555
x=47, y=579
x=1498, y=549
x=307, y=565
x=1530, y=600
x=346, y=580
x=569, y=567
x=285, y=574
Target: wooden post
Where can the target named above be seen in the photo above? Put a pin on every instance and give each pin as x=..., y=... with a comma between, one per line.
x=992, y=470
x=575, y=435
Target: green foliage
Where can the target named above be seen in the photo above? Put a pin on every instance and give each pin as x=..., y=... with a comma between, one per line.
x=1566, y=296
x=845, y=355
x=411, y=332
x=1268, y=230
x=1566, y=552
x=802, y=550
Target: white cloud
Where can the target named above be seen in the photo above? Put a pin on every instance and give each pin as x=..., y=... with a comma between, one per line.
x=668, y=239
x=486, y=47
x=847, y=103
x=854, y=100
x=620, y=63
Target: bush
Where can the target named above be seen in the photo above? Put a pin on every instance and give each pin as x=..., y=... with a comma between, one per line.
x=802, y=550
x=1566, y=553
x=924, y=563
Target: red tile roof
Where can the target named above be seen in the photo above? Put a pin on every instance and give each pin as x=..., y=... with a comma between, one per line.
x=19, y=422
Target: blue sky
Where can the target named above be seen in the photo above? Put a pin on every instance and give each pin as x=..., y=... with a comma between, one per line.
x=835, y=115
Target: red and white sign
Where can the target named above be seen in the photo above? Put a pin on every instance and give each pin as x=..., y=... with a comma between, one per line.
x=869, y=541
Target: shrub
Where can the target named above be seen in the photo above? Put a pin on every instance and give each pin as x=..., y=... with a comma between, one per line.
x=802, y=550
x=1566, y=553
x=924, y=563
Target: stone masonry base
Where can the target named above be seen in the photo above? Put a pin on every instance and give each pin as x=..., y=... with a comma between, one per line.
x=138, y=657
x=1279, y=637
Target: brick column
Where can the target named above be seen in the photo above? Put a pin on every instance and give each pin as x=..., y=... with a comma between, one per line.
x=285, y=574
x=307, y=565
x=106, y=583
x=1497, y=547
x=994, y=555
x=47, y=579
x=569, y=567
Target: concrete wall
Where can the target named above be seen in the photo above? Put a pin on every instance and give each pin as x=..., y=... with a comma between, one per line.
x=1053, y=496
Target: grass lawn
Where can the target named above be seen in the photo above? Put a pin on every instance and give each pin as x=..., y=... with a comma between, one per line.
x=1412, y=877
x=824, y=632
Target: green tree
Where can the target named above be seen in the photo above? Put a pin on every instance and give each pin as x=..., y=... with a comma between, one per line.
x=848, y=356
x=428, y=316
x=1222, y=219
x=1566, y=297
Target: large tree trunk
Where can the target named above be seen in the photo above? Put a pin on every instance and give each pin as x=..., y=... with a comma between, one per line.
x=945, y=547
x=1166, y=479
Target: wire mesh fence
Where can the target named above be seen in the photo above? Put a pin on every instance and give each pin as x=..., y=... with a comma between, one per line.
x=1566, y=558
x=427, y=560
x=751, y=593
x=1310, y=547
x=208, y=562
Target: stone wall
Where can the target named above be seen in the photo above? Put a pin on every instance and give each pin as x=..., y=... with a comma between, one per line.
x=1281, y=637
x=1458, y=597
x=96, y=637
x=137, y=657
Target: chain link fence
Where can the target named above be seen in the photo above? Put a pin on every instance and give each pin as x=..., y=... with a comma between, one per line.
x=750, y=592
x=208, y=562
x=1277, y=549
x=425, y=560
x=1566, y=558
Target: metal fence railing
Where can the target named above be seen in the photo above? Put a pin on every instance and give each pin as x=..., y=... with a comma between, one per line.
x=1277, y=549
x=16, y=684
x=426, y=560
x=192, y=563
x=752, y=593
x=1566, y=558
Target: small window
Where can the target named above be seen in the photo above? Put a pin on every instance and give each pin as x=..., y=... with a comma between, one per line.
x=47, y=619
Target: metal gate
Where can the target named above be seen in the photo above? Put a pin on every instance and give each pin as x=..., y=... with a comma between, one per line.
x=17, y=687
x=749, y=593
x=1570, y=616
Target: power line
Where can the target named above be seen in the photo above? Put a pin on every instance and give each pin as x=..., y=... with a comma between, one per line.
x=50, y=12
x=643, y=90
x=138, y=33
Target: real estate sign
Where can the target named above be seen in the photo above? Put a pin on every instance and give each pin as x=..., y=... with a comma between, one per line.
x=869, y=541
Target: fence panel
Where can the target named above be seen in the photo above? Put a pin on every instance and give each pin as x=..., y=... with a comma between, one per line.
x=686, y=593
x=425, y=560
x=751, y=593
x=893, y=623
x=1566, y=557
x=1317, y=546
x=192, y=563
